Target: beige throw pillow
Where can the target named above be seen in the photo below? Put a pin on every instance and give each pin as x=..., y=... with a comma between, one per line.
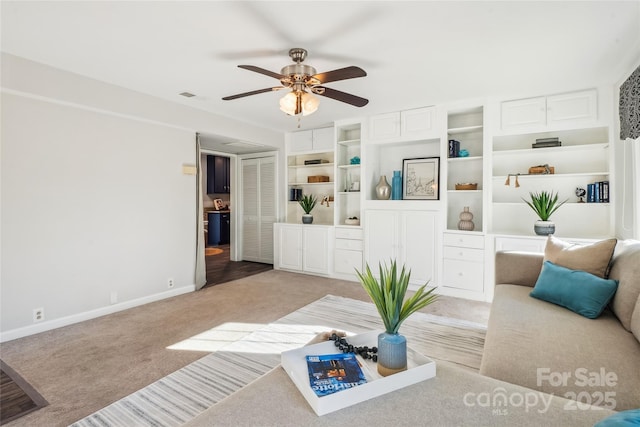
x=593, y=258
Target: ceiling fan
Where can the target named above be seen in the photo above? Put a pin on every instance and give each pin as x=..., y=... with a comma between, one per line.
x=303, y=80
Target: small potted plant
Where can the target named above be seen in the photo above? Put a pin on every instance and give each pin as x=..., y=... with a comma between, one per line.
x=307, y=202
x=544, y=204
x=388, y=295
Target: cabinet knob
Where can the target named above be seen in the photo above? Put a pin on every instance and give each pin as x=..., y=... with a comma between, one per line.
x=460, y=274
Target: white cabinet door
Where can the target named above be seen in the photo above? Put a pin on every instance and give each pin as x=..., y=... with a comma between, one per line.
x=316, y=250
x=550, y=111
x=384, y=126
x=347, y=261
x=418, y=122
x=409, y=124
x=524, y=113
x=381, y=237
x=289, y=251
x=417, y=244
x=301, y=141
x=572, y=107
x=323, y=139
x=311, y=140
x=406, y=236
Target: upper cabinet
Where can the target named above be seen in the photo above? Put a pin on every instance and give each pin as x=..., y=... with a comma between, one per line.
x=312, y=140
x=555, y=111
x=409, y=124
x=218, y=174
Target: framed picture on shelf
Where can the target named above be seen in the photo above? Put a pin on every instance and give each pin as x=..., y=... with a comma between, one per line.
x=421, y=178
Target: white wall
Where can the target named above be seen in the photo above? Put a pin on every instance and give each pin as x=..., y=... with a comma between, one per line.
x=94, y=202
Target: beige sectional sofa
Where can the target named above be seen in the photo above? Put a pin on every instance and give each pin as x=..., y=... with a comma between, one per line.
x=547, y=347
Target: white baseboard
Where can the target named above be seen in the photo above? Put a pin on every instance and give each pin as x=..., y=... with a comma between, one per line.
x=87, y=315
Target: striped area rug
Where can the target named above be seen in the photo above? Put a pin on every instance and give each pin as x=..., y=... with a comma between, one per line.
x=184, y=394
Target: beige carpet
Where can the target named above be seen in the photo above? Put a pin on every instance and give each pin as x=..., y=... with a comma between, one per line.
x=82, y=368
x=181, y=396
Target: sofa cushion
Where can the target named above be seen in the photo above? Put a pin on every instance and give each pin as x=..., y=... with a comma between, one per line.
x=593, y=258
x=621, y=419
x=576, y=290
x=529, y=340
x=635, y=320
x=625, y=268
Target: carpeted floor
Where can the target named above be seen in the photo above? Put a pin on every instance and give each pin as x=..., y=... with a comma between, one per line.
x=85, y=367
x=184, y=394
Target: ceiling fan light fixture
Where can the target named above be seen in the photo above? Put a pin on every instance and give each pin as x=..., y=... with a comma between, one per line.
x=296, y=102
x=310, y=103
x=288, y=103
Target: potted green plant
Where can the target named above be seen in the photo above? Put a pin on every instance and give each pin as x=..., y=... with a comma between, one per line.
x=388, y=295
x=307, y=202
x=544, y=204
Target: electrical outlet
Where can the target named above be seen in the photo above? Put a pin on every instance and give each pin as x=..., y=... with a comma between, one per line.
x=114, y=297
x=38, y=314
x=170, y=282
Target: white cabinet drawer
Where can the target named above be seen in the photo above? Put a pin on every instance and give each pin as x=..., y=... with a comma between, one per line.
x=353, y=245
x=463, y=240
x=463, y=275
x=348, y=233
x=464, y=254
x=346, y=261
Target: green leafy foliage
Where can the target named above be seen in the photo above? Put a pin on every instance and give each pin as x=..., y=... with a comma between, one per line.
x=544, y=203
x=388, y=294
x=308, y=202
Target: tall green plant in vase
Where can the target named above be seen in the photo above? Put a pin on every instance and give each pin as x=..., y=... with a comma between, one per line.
x=307, y=203
x=388, y=295
x=544, y=204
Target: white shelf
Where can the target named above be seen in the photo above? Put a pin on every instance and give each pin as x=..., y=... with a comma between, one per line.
x=348, y=192
x=564, y=148
x=464, y=191
x=551, y=175
x=464, y=159
x=465, y=129
x=349, y=143
x=349, y=166
x=320, y=165
x=311, y=183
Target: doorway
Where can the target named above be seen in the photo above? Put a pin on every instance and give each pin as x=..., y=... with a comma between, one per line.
x=223, y=253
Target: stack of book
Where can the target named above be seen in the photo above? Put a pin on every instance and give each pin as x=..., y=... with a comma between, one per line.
x=598, y=192
x=546, y=142
x=454, y=148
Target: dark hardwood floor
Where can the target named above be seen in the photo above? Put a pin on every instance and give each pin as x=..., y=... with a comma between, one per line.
x=220, y=269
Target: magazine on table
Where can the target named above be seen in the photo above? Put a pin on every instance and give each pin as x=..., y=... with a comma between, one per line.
x=330, y=373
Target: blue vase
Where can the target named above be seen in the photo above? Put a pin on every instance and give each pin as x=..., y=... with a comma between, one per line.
x=396, y=186
x=392, y=353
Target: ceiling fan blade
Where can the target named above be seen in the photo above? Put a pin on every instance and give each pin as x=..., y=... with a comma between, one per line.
x=253, y=92
x=262, y=71
x=342, y=96
x=340, y=74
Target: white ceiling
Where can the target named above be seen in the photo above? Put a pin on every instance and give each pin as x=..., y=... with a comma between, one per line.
x=415, y=53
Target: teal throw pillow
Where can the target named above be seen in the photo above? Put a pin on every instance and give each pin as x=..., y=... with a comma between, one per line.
x=576, y=290
x=621, y=419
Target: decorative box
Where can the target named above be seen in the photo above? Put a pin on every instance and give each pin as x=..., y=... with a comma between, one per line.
x=467, y=186
x=317, y=178
x=419, y=368
x=541, y=170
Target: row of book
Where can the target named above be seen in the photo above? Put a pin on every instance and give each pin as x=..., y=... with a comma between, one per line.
x=598, y=192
